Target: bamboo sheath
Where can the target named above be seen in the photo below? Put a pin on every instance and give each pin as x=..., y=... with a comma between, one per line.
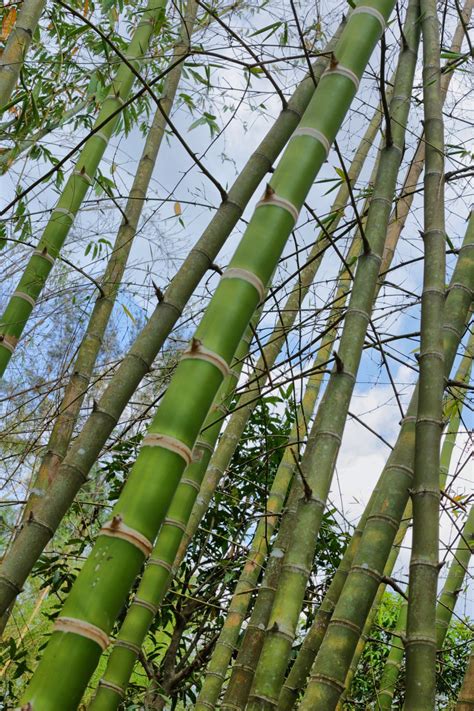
x=354, y=604
x=81, y=631
x=238, y=607
x=157, y=574
x=42, y=260
x=73, y=472
x=324, y=441
x=17, y=46
x=423, y=579
x=397, y=649
x=466, y=695
x=92, y=340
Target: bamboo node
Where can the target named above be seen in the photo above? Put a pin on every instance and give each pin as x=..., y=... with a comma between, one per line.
x=154, y=439
x=249, y=277
x=135, y=648
x=313, y=133
x=328, y=681
x=200, y=352
x=186, y=481
x=366, y=10
x=112, y=687
x=343, y=71
x=43, y=254
x=26, y=297
x=115, y=528
x=342, y=622
x=82, y=628
x=271, y=198
x=160, y=563
x=175, y=524
x=364, y=569
x=146, y=605
x=82, y=174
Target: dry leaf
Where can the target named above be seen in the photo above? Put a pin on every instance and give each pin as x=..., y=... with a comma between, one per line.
x=8, y=23
x=177, y=209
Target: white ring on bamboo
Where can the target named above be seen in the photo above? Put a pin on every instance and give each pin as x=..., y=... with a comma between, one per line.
x=245, y=275
x=161, y=563
x=44, y=255
x=135, y=648
x=26, y=297
x=200, y=352
x=191, y=483
x=83, y=629
x=115, y=528
x=64, y=211
x=101, y=134
x=175, y=524
x=87, y=178
x=154, y=439
x=345, y=72
x=314, y=133
x=277, y=201
x=6, y=344
x=366, y=10
x=204, y=445
x=147, y=605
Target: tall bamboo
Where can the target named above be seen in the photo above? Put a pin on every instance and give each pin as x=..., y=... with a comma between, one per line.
x=423, y=580
x=91, y=343
x=337, y=649
x=157, y=573
x=324, y=441
x=63, y=215
x=19, y=40
x=73, y=472
x=466, y=695
x=81, y=631
x=452, y=411
x=230, y=632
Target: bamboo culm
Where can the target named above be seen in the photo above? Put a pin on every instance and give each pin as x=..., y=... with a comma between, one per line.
x=157, y=574
x=19, y=40
x=420, y=646
x=29, y=288
x=230, y=632
x=324, y=441
x=38, y=529
x=81, y=631
x=337, y=649
x=466, y=695
x=452, y=412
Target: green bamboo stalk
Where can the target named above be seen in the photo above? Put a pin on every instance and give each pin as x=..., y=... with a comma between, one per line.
x=81, y=632
x=91, y=343
x=63, y=215
x=324, y=441
x=423, y=579
x=452, y=411
x=157, y=574
x=73, y=472
x=239, y=604
x=242, y=672
x=466, y=695
x=354, y=604
x=17, y=46
x=92, y=340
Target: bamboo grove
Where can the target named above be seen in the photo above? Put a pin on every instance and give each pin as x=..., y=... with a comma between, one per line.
x=236, y=352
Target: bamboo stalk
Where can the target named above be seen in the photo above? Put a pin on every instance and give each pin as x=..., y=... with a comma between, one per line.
x=452, y=410
x=41, y=262
x=157, y=574
x=73, y=472
x=423, y=579
x=19, y=40
x=80, y=634
x=356, y=599
x=324, y=441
